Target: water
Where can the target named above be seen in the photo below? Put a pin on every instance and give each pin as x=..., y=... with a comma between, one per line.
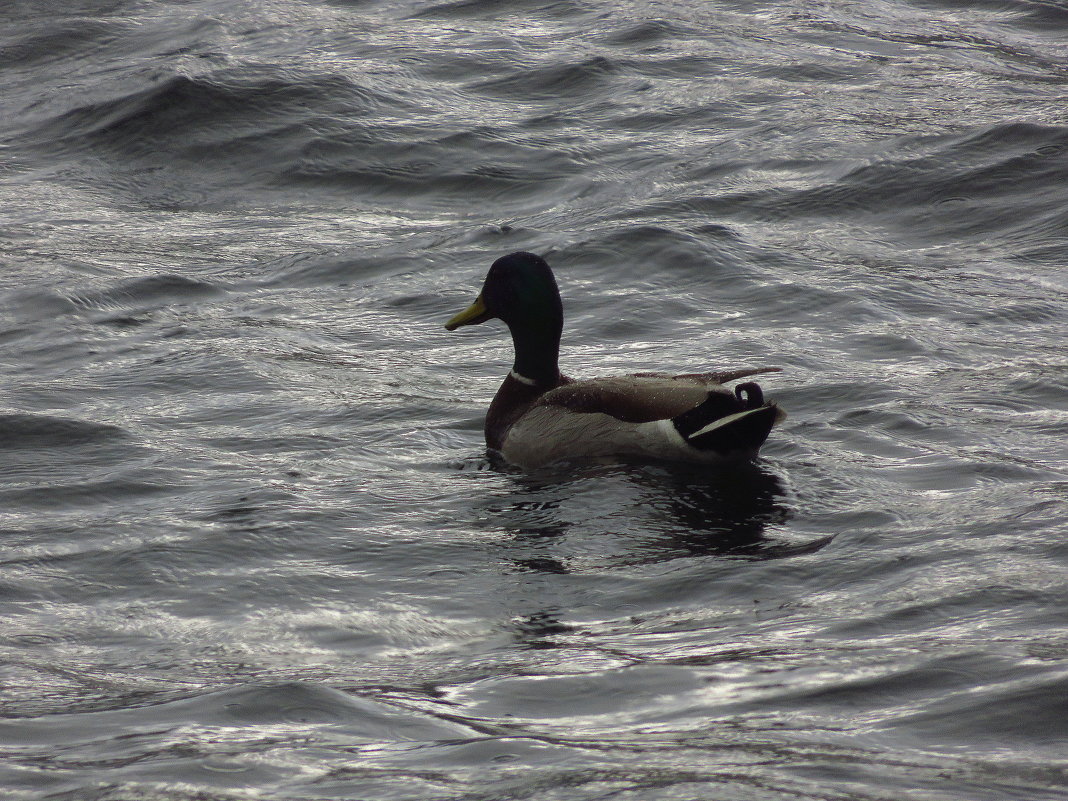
x=252, y=544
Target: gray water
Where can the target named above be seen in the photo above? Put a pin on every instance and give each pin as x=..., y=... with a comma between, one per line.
x=252, y=543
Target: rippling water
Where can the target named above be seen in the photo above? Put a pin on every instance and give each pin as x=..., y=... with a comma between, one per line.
x=252, y=544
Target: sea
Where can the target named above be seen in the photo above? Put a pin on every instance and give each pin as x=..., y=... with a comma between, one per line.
x=252, y=545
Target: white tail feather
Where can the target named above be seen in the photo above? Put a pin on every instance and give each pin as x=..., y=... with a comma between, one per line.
x=730, y=418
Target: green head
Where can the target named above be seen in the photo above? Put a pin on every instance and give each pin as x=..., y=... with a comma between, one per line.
x=520, y=289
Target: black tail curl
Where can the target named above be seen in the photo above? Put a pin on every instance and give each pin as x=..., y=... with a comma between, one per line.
x=744, y=434
x=754, y=395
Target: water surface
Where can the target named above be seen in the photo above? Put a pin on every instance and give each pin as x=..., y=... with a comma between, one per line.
x=252, y=541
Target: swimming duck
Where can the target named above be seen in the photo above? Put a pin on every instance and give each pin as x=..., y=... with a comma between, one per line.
x=539, y=416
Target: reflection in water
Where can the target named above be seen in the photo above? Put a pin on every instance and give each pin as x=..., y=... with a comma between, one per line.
x=658, y=511
x=719, y=513
x=586, y=520
x=536, y=630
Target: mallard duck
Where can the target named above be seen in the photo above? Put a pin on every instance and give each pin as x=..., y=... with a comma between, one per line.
x=539, y=416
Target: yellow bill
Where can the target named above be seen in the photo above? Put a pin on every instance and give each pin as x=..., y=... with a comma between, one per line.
x=472, y=315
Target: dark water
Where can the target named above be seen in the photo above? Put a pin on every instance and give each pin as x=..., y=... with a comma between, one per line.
x=251, y=543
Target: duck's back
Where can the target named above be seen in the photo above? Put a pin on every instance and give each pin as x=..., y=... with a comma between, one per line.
x=638, y=398
x=614, y=416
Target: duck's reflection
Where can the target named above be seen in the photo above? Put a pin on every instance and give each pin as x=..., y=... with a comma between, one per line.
x=721, y=513
x=658, y=511
x=580, y=522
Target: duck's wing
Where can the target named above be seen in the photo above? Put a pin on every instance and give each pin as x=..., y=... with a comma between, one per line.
x=639, y=398
x=715, y=377
x=664, y=417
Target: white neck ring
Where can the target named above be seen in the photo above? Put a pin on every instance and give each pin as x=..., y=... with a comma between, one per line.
x=522, y=379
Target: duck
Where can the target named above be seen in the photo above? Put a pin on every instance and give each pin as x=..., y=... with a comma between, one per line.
x=540, y=416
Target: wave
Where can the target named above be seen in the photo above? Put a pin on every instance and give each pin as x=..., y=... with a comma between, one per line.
x=62, y=40
x=191, y=114
x=554, y=82
x=47, y=431
x=150, y=292
x=956, y=188
x=1037, y=14
x=489, y=9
